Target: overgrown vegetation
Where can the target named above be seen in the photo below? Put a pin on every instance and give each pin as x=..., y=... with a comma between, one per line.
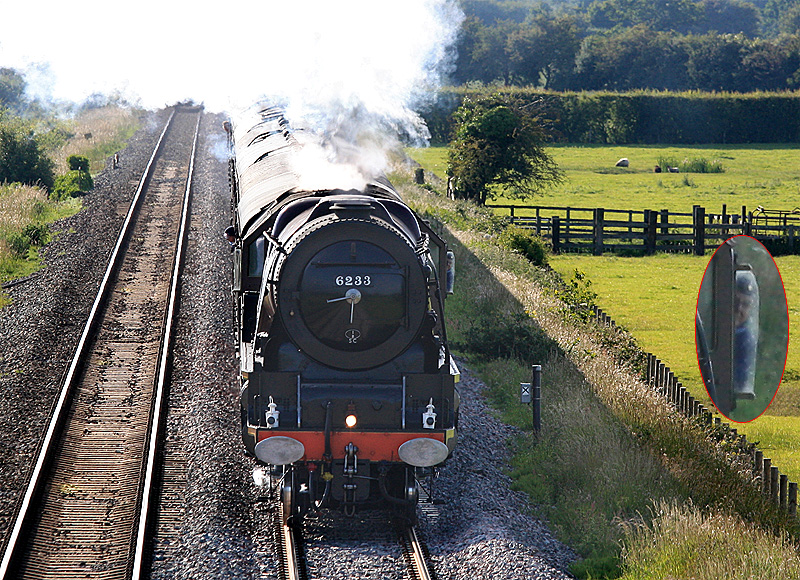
x=645, y=116
x=30, y=151
x=694, y=165
x=76, y=181
x=525, y=242
x=609, y=447
x=685, y=541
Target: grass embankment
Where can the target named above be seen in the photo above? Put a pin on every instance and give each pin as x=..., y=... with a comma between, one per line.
x=25, y=211
x=610, y=451
x=655, y=297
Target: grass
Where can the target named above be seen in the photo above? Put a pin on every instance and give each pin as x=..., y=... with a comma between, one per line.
x=609, y=446
x=753, y=175
x=683, y=541
x=110, y=128
x=23, y=206
x=655, y=297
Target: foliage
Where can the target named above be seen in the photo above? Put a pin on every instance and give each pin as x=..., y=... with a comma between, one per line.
x=496, y=335
x=650, y=117
x=712, y=45
x=71, y=184
x=22, y=159
x=693, y=165
x=525, y=242
x=32, y=235
x=577, y=293
x=499, y=142
x=12, y=89
x=78, y=163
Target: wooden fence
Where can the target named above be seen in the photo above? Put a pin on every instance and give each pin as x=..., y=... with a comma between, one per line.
x=766, y=476
x=597, y=230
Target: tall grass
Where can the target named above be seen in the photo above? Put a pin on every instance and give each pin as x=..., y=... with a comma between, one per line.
x=19, y=205
x=691, y=165
x=25, y=210
x=610, y=446
x=109, y=129
x=683, y=541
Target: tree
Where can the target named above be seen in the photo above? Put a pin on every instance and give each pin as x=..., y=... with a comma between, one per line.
x=543, y=52
x=21, y=158
x=12, y=89
x=633, y=58
x=499, y=141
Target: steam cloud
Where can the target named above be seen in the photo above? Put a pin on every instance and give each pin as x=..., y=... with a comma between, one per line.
x=355, y=69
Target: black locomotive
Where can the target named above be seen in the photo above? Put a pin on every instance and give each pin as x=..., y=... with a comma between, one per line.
x=346, y=376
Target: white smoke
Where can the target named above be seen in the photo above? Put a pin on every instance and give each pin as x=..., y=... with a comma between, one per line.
x=379, y=56
x=354, y=69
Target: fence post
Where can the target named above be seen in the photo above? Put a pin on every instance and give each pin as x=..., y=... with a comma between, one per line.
x=536, y=393
x=555, y=233
x=792, y=498
x=538, y=223
x=773, y=484
x=664, y=222
x=599, y=224
x=766, y=475
x=784, y=491
x=699, y=225
x=758, y=465
x=650, y=229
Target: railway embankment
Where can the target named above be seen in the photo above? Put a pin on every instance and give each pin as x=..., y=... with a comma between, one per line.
x=612, y=450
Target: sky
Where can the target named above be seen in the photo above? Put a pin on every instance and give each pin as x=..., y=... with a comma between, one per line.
x=350, y=57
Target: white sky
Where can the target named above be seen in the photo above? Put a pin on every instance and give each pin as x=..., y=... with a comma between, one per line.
x=373, y=54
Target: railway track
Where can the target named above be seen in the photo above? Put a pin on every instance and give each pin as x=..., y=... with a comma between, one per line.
x=293, y=564
x=85, y=512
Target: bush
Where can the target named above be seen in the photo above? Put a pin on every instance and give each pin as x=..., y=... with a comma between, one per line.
x=71, y=184
x=22, y=159
x=696, y=165
x=31, y=235
x=18, y=244
x=78, y=163
x=507, y=336
x=525, y=242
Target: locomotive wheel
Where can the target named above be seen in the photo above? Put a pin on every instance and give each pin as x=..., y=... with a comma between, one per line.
x=288, y=501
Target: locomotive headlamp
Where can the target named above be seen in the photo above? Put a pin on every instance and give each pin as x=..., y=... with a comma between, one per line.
x=351, y=419
x=429, y=416
x=272, y=414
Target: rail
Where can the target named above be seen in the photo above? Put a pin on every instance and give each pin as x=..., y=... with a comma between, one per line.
x=31, y=514
x=415, y=555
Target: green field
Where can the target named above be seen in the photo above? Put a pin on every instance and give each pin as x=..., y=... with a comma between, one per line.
x=655, y=297
x=763, y=175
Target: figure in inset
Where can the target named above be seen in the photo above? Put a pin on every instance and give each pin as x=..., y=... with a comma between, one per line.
x=745, y=342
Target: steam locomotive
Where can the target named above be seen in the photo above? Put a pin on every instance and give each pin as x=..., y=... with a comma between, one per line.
x=348, y=389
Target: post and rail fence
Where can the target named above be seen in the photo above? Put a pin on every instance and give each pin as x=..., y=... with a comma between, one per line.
x=661, y=379
x=598, y=230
